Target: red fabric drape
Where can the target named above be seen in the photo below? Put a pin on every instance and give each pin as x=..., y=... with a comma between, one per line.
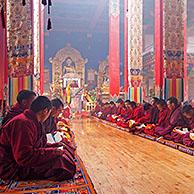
x=41, y=50
x=114, y=48
x=126, y=84
x=159, y=59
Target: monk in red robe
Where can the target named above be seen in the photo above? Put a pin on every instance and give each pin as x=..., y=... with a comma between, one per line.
x=186, y=138
x=154, y=111
x=23, y=155
x=49, y=125
x=146, y=118
x=24, y=100
x=162, y=118
x=174, y=120
x=113, y=116
x=97, y=109
x=126, y=112
x=106, y=109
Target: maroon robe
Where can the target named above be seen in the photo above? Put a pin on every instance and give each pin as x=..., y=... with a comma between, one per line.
x=14, y=111
x=163, y=120
x=186, y=140
x=23, y=154
x=145, y=119
x=175, y=119
x=154, y=115
x=138, y=113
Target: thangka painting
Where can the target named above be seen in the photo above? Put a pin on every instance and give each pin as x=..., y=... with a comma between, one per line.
x=19, y=38
x=174, y=12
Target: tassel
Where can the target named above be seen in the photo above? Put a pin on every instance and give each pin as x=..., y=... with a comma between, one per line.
x=49, y=3
x=44, y=2
x=49, y=26
x=23, y=2
x=3, y=17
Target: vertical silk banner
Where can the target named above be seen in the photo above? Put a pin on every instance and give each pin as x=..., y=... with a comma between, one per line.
x=19, y=20
x=36, y=45
x=126, y=81
x=135, y=49
x=114, y=47
x=19, y=38
x=159, y=54
x=174, y=47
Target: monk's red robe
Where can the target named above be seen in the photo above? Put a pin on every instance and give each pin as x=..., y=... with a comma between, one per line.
x=138, y=113
x=114, y=111
x=145, y=119
x=105, y=112
x=163, y=120
x=185, y=139
x=14, y=111
x=126, y=114
x=174, y=120
x=154, y=115
x=24, y=156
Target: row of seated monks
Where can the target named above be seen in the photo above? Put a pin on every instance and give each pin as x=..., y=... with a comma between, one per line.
x=168, y=119
x=25, y=153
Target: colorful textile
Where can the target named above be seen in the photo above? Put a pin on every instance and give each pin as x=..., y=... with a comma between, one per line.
x=174, y=87
x=18, y=84
x=19, y=38
x=81, y=184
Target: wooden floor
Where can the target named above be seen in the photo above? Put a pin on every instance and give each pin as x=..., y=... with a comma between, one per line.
x=120, y=163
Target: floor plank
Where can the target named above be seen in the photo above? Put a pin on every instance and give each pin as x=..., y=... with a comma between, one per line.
x=122, y=163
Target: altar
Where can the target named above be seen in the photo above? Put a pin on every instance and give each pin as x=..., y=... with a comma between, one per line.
x=68, y=76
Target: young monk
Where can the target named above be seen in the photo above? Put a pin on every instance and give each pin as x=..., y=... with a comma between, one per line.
x=49, y=125
x=125, y=115
x=23, y=155
x=105, y=111
x=97, y=109
x=112, y=117
x=154, y=111
x=24, y=100
x=174, y=120
x=146, y=118
x=162, y=117
x=187, y=139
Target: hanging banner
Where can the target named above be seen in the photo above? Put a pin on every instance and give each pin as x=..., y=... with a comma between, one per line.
x=135, y=47
x=114, y=47
x=19, y=38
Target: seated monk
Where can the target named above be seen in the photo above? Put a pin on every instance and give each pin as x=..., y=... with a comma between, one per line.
x=126, y=114
x=137, y=112
x=49, y=126
x=154, y=111
x=117, y=112
x=24, y=100
x=146, y=118
x=105, y=111
x=174, y=120
x=23, y=155
x=162, y=118
x=187, y=137
x=97, y=109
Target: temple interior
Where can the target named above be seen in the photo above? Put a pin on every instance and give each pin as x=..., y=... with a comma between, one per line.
x=97, y=96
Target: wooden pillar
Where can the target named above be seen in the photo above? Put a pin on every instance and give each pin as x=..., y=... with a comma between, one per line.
x=126, y=81
x=159, y=53
x=174, y=48
x=114, y=47
x=135, y=49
